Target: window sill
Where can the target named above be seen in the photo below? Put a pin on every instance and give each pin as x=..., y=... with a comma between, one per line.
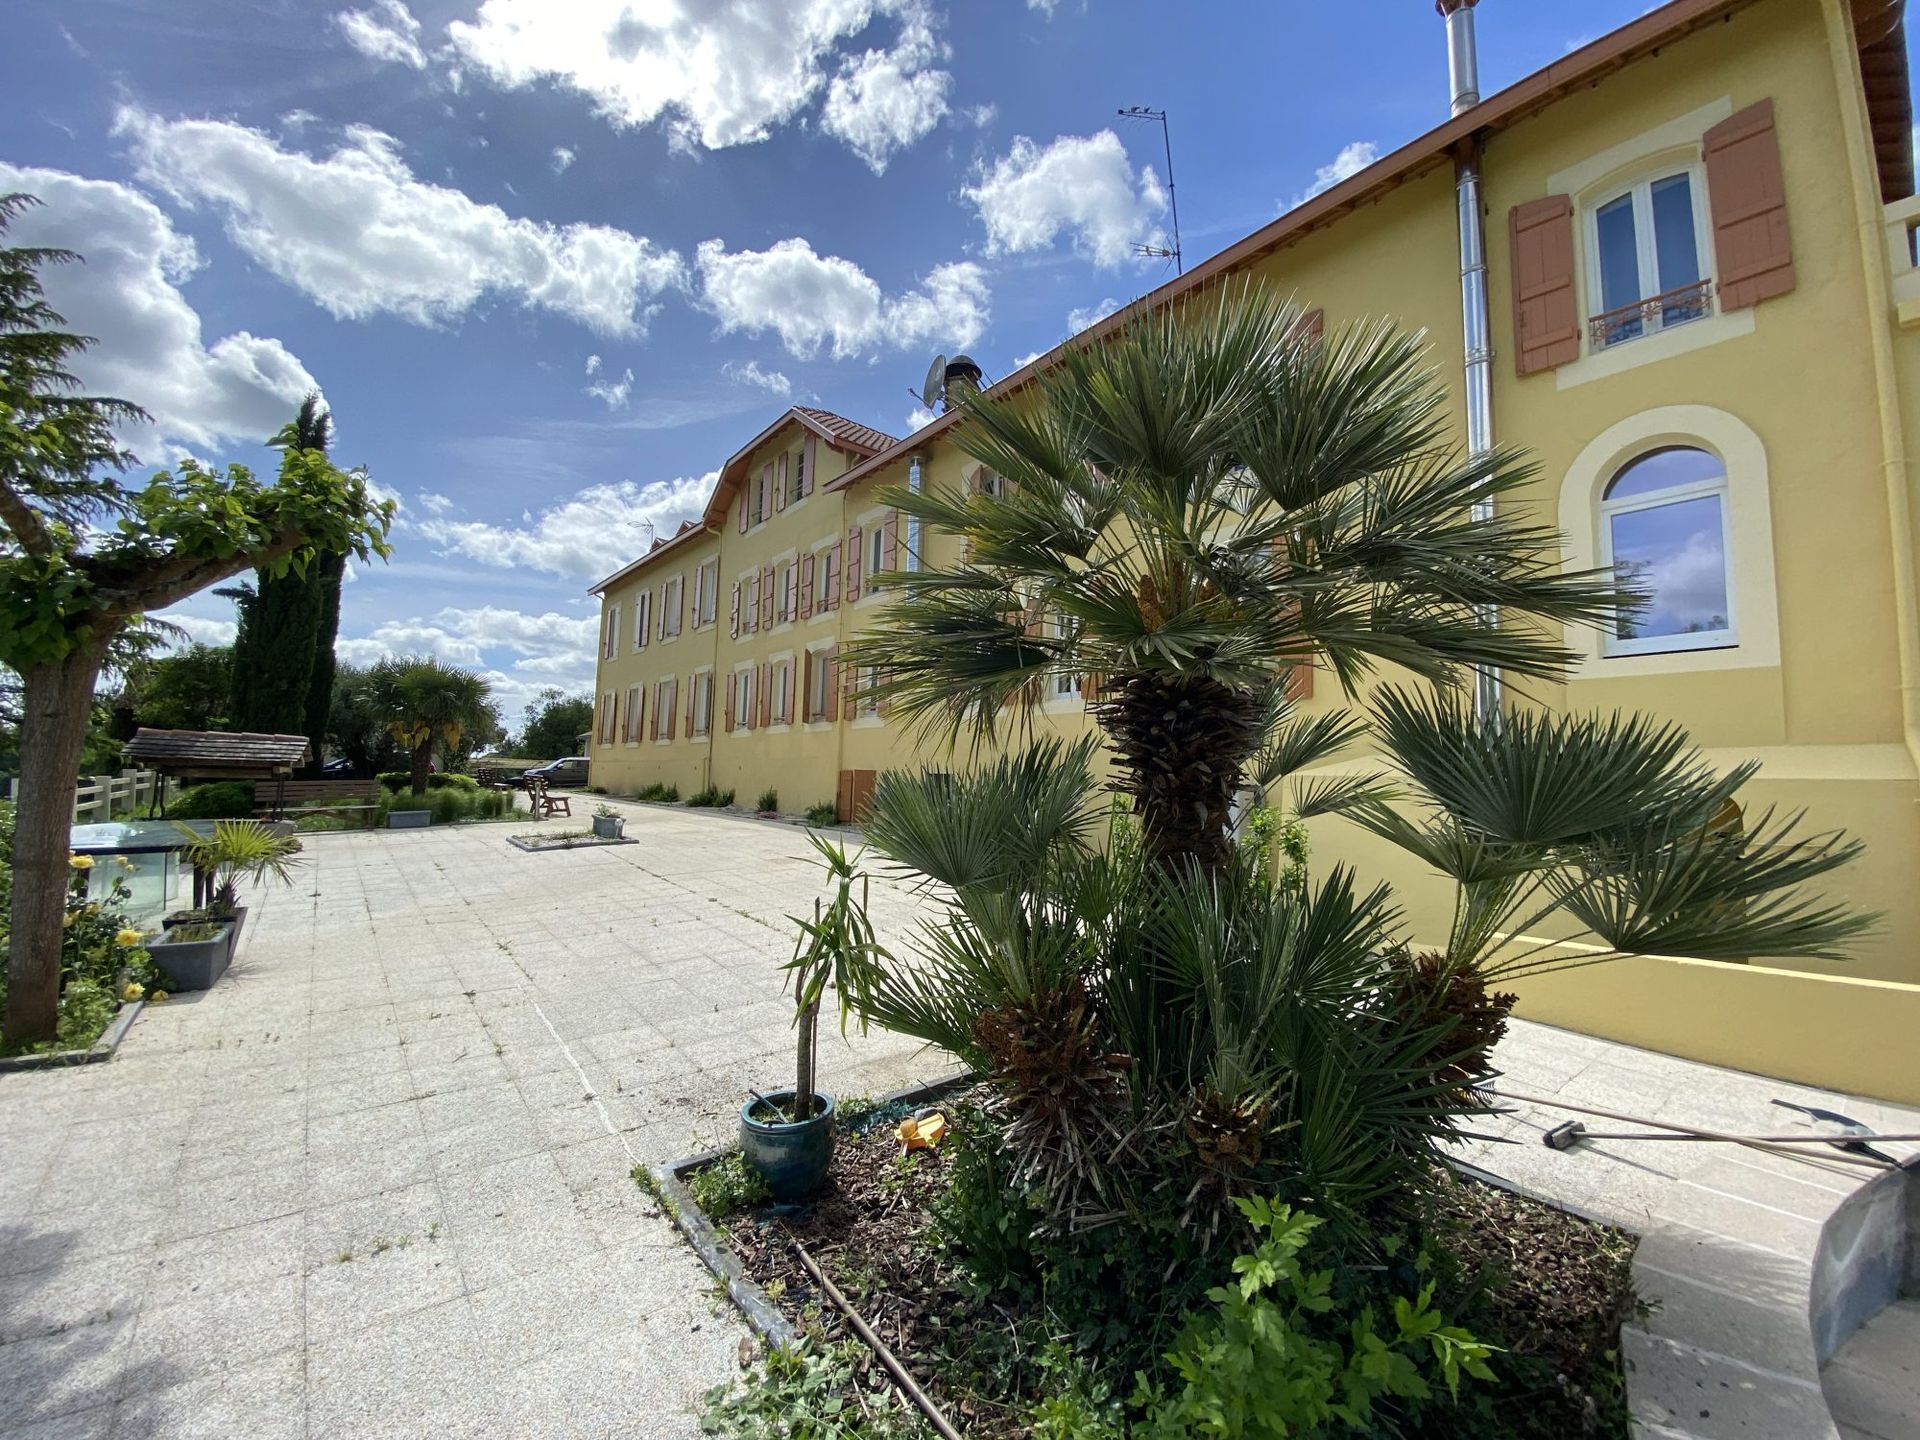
x=870, y=721
x=1670, y=662
x=1627, y=355
x=816, y=726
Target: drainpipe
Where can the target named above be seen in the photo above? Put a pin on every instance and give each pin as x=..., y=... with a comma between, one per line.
x=1463, y=78
x=1870, y=217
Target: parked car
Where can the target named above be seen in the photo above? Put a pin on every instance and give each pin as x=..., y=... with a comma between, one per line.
x=338, y=768
x=571, y=771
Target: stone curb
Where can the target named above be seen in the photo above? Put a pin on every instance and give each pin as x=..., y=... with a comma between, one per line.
x=101, y=1049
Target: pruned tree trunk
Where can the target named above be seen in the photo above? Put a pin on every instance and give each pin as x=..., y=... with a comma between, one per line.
x=57, y=700
x=1181, y=745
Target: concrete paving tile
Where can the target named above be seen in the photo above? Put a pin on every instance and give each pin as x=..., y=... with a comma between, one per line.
x=349, y=1174
x=344, y=1298
x=211, y=1333
x=45, y=1376
x=262, y=1401
x=225, y=1259
x=423, y=1361
x=59, y=1297
x=354, y=1227
x=495, y=1248
x=93, y=1424
x=1711, y=1397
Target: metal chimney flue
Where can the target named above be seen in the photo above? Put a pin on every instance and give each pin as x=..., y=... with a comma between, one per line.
x=1463, y=53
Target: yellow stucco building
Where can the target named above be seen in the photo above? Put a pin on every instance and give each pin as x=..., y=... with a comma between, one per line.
x=1703, y=321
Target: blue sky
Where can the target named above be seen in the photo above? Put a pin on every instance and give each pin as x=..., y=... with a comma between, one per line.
x=552, y=262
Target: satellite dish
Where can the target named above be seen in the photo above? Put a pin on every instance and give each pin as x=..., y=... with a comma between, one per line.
x=936, y=381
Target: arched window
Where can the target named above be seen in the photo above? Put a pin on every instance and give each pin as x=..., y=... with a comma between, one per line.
x=1664, y=530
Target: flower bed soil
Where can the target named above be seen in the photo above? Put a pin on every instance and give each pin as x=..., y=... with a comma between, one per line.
x=1551, y=1289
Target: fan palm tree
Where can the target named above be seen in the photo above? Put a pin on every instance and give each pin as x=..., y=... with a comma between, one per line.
x=426, y=703
x=1191, y=509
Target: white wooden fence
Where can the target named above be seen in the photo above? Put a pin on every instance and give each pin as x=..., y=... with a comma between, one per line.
x=101, y=796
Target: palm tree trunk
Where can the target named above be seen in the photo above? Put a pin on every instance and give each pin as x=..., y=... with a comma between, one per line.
x=1181, y=742
x=422, y=757
x=53, y=731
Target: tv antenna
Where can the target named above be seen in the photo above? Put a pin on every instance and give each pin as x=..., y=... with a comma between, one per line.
x=1160, y=252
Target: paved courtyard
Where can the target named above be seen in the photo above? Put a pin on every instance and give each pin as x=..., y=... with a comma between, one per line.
x=376, y=1182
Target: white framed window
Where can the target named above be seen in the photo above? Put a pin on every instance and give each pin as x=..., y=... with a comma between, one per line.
x=789, y=590
x=820, y=697
x=1647, y=261
x=876, y=549
x=706, y=593
x=703, y=702
x=610, y=640
x=798, y=470
x=1665, y=529
x=782, y=688
x=743, y=699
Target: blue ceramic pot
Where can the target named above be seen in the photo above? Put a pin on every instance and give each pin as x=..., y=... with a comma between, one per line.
x=791, y=1157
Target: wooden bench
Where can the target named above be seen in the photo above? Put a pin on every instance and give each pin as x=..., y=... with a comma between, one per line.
x=298, y=798
x=542, y=802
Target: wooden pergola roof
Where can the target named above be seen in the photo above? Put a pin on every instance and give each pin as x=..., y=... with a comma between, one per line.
x=217, y=754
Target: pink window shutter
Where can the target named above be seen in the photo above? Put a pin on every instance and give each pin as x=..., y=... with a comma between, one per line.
x=807, y=480
x=1546, y=314
x=1747, y=195
x=890, y=545
x=854, y=558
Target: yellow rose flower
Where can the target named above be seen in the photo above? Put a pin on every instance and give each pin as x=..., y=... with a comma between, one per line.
x=132, y=991
x=159, y=997
x=80, y=862
x=127, y=938
x=68, y=919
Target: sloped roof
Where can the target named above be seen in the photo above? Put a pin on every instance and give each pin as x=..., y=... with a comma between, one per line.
x=837, y=430
x=197, y=752
x=1889, y=103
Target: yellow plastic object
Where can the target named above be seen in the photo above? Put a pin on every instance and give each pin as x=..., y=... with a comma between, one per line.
x=924, y=1132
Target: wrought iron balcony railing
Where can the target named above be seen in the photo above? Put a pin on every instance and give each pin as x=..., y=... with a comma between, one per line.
x=1656, y=312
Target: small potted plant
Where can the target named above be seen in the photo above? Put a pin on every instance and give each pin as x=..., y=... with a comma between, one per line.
x=787, y=1135
x=233, y=851
x=608, y=823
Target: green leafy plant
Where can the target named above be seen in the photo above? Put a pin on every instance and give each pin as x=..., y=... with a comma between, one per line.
x=727, y=1186
x=836, y=947
x=711, y=797
x=86, y=1009
x=222, y=800
x=825, y=813
x=663, y=793
x=438, y=780
x=769, y=801
x=607, y=812
x=1272, y=1358
x=812, y=1391
x=239, y=850
x=1268, y=833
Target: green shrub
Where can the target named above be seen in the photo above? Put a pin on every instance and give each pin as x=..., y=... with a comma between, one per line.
x=711, y=798
x=825, y=813
x=726, y=1186
x=1268, y=833
x=1274, y=1358
x=661, y=792
x=769, y=800
x=451, y=805
x=438, y=780
x=224, y=800
x=811, y=1392
x=86, y=1009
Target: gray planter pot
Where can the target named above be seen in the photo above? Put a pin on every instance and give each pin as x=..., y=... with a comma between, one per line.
x=609, y=827
x=409, y=819
x=195, y=964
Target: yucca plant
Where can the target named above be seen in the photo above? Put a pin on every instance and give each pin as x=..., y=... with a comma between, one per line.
x=1191, y=508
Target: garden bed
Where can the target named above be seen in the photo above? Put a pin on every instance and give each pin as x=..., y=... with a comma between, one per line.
x=101, y=1049
x=1549, y=1289
x=564, y=840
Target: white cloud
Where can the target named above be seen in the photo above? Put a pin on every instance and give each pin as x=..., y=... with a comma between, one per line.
x=615, y=392
x=1082, y=186
x=772, y=381
x=723, y=74
x=546, y=649
x=150, y=349
x=1028, y=359
x=561, y=158
x=587, y=536
x=1078, y=320
x=917, y=417
x=388, y=32
x=593, y=364
x=884, y=100
x=1352, y=159
x=813, y=300
x=432, y=503
x=360, y=235
x=201, y=629
x=980, y=116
